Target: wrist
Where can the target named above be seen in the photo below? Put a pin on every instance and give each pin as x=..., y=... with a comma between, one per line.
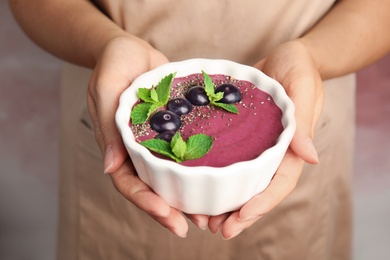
x=105, y=43
x=315, y=54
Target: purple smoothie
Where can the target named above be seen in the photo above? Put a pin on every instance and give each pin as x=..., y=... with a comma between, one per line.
x=236, y=137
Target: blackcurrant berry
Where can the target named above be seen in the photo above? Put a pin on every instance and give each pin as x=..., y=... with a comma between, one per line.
x=231, y=94
x=166, y=136
x=179, y=106
x=165, y=120
x=197, y=96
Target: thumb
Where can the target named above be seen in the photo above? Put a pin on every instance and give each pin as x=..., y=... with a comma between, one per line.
x=106, y=133
x=303, y=146
x=307, y=110
x=308, y=105
x=114, y=153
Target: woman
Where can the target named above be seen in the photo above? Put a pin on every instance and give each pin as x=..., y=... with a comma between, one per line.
x=310, y=47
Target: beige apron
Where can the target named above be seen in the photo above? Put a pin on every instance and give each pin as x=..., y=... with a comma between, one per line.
x=314, y=222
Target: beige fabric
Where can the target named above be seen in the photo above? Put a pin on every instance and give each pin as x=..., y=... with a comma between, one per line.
x=242, y=31
x=314, y=222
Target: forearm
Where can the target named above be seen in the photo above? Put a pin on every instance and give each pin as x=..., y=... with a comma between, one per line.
x=354, y=34
x=73, y=30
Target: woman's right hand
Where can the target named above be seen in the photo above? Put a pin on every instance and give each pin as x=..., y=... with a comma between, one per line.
x=122, y=60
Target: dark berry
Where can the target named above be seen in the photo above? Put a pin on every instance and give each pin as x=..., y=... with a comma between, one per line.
x=166, y=136
x=231, y=94
x=179, y=106
x=197, y=96
x=165, y=120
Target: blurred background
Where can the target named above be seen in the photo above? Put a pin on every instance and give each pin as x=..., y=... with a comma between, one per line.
x=29, y=131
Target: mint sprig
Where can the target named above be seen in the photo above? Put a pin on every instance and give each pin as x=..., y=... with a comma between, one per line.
x=179, y=150
x=214, y=97
x=153, y=99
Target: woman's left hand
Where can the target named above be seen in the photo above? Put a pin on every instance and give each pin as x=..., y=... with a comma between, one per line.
x=291, y=65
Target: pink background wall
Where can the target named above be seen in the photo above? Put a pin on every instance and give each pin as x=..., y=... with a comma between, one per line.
x=29, y=111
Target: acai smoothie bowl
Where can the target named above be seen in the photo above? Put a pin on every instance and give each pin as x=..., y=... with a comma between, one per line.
x=206, y=135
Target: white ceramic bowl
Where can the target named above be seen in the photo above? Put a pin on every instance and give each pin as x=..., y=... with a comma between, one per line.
x=204, y=189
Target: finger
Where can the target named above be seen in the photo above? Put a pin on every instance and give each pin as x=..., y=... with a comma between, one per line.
x=260, y=65
x=137, y=192
x=174, y=222
x=283, y=182
x=215, y=222
x=281, y=185
x=102, y=104
x=303, y=93
x=201, y=221
x=232, y=227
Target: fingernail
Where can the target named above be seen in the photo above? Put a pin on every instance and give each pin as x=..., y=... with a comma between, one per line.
x=234, y=235
x=183, y=235
x=203, y=226
x=214, y=231
x=312, y=151
x=109, y=159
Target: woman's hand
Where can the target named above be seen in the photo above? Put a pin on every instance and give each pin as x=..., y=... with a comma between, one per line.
x=291, y=65
x=122, y=60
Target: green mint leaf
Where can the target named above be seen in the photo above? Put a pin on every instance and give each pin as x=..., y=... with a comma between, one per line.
x=178, y=146
x=210, y=88
x=197, y=146
x=153, y=95
x=214, y=97
x=164, y=88
x=140, y=113
x=144, y=94
x=152, y=108
x=154, y=98
x=228, y=107
x=217, y=96
x=160, y=146
x=208, y=85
